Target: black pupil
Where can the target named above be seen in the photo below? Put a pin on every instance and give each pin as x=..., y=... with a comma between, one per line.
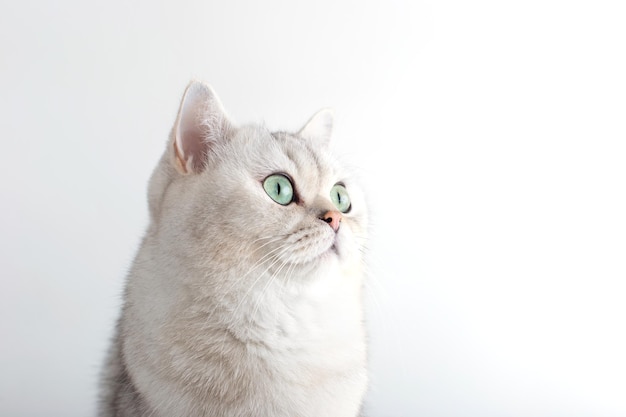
x=278, y=188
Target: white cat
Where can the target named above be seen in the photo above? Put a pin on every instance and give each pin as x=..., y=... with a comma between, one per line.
x=245, y=298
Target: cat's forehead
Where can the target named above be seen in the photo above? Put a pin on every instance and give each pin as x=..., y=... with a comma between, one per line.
x=303, y=155
x=309, y=165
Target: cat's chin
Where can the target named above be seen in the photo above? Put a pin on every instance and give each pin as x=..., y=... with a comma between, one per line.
x=310, y=247
x=327, y=257
x=322, y=256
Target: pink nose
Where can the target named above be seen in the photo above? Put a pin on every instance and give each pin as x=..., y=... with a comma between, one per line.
x=333, y=218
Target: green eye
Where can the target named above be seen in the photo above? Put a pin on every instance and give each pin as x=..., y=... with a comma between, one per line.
x=340, y=198
x=279, y=188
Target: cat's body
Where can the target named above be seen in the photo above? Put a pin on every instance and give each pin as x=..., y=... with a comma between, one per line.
x=242, y=303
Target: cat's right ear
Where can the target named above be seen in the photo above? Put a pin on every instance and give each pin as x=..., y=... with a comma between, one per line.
x=320, y=127
x=201, y=122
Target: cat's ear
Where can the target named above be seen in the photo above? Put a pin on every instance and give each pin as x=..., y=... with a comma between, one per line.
x=320, y=127
x=201, y=122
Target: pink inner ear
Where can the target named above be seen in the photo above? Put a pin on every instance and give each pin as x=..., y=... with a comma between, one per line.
x=194, y=148
x=200, y=121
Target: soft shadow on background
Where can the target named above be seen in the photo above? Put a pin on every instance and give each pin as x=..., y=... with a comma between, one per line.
x=491, y=137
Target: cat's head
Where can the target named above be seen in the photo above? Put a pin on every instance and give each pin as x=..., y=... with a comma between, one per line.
x=245, y=198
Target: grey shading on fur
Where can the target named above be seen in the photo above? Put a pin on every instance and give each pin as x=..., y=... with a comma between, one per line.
x=245, y=296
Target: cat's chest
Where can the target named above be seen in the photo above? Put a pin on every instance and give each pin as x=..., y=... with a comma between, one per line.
x=320, y=316
x=307, y=341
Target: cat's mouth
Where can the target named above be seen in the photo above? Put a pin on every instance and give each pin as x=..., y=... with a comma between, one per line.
x=329, y=249
x=310, y=247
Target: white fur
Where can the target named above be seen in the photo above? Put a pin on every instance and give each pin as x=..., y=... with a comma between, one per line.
x=236, y=305
x=320, y=127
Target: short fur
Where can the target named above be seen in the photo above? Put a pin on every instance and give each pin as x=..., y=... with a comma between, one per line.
x=236, y=306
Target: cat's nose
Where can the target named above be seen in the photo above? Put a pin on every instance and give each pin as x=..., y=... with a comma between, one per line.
x=333, y=218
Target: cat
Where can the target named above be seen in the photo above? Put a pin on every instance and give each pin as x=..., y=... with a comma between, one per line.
x=245, y=296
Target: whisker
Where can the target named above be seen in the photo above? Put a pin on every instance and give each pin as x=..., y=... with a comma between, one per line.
x=269, y=282
x=259, y=263
x=284, y=248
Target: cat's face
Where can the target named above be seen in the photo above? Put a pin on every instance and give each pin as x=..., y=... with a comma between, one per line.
x=260, y=202
x=283, y=201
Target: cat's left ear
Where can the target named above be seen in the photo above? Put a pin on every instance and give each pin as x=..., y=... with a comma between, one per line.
x=200, y=124
x=320, y=127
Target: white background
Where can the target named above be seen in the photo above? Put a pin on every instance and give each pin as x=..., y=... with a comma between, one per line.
x=491, y=137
